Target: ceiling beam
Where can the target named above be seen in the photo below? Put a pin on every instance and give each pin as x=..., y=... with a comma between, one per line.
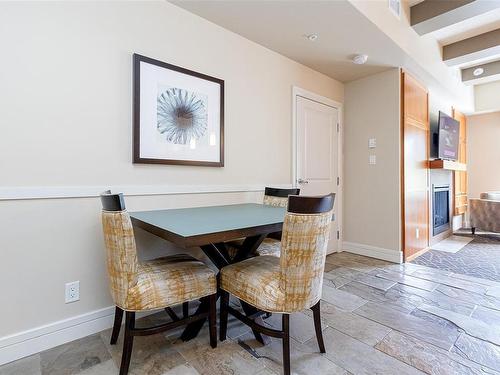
x=472, y=49
x=432, y=15
x=491, y=72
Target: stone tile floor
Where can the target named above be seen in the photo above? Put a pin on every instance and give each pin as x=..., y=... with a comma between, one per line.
x=378, y=318
x=479, y=258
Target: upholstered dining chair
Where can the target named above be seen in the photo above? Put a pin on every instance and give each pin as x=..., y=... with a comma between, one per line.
x=271, y=245
x=156, y=284
x=291, y=283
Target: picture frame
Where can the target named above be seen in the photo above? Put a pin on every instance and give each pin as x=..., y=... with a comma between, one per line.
x=178, y=115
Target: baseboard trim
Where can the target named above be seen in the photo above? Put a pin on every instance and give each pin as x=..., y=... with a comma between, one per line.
x=373, y=251
x=36, y=340
x=56, y=192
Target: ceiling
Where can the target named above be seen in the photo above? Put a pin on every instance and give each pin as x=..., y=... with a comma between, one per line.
x=283, y=26
x=468, y=32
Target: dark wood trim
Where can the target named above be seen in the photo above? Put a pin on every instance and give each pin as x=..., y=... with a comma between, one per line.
x=204, y=239
x=310, y=205
x=131, y=331
x=137, y=59
x=279, y=192
x=116, y=325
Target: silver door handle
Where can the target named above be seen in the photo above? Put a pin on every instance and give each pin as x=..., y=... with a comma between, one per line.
x=302, y=182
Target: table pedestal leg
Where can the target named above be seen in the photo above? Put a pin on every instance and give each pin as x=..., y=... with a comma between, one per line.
x=217, y=254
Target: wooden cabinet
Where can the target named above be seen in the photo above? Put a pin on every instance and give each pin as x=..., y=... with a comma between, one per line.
x=415, y=166
x=460, y=185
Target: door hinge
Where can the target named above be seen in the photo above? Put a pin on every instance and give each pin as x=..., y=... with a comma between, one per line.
x=338, y=181
x=338, y=127
x=338, y=235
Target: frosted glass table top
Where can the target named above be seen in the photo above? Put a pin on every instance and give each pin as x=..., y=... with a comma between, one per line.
x=181, y=224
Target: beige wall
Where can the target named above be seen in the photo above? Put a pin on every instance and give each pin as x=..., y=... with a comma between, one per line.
x=372, y=192
x=66, y=122
x=483, y=153
x=487, y=97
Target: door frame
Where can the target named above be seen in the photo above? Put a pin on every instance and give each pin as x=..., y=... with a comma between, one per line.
x=299, y=92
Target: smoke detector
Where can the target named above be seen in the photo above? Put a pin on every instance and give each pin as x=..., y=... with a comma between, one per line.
x=312, y=37
x=360, y=59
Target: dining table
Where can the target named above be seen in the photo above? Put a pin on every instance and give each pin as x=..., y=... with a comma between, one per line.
x=209, y=228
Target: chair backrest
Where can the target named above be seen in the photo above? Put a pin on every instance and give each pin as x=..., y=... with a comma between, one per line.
x=278, y=197
x=306, y=231
x=121, y=251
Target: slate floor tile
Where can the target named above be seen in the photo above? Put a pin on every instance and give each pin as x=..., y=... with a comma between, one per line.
x=346, y=301
x=304, y=359
x=478, y=351
x=26, y=366
x=74, y=357
x=408, y=280
x=359, y=358
x=423, y=356
x=356, y=326
x=473, y=327
x=427, y=331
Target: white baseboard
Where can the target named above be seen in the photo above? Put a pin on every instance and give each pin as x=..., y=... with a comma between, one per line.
x=373, y=251
x=36, y=340
x=26, y=343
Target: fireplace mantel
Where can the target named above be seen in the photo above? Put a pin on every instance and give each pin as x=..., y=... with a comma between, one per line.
x=447, y=164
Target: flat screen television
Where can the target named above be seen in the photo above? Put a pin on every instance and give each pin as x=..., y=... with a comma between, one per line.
x=448, y=137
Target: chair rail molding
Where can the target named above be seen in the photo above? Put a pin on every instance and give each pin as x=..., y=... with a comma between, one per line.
x=55, y=192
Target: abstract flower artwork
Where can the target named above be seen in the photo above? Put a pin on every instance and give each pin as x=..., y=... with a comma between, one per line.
x=178, y=115
x=182, y=115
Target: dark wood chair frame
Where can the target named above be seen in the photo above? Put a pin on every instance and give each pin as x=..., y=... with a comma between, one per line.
x=115, y=202
x=131, y=331
x=301, y=205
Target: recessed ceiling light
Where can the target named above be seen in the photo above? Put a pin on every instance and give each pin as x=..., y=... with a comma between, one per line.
x=312, y=37
x=477, y=72
x=360, y=59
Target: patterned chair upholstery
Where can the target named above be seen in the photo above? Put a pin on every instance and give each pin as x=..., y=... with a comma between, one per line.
x=291, y=283
x=154, y=284
x=271, y=245
x=485, y=212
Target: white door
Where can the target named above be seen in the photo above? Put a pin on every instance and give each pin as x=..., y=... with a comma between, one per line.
x=317, y=153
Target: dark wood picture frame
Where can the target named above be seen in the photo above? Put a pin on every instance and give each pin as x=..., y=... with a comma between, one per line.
x=137, y=59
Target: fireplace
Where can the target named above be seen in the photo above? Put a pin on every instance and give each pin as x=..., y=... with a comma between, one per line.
x=440, y=209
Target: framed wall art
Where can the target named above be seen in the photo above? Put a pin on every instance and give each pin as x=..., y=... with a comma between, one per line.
x=178, y=115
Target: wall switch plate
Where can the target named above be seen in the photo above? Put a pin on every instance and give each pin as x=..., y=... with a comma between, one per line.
x=372, y=143
x=372, y=160
x=72, y=292
x=417, y=233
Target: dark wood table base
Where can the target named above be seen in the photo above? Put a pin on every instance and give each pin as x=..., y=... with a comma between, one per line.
x=219, y=256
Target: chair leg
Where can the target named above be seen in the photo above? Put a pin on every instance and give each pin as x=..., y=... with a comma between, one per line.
x=285, y=326
x=224, y=303
x=116, y=325
x=185, y=309
x=316, y=309
x=212, y=320
x=128, y=342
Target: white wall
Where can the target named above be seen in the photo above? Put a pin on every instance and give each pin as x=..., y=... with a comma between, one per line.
x=372, y=213
x=487, y=97
x=483, y=153
x=66, y=123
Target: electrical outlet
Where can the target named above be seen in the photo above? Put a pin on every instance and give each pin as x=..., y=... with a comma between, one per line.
x=72, y=292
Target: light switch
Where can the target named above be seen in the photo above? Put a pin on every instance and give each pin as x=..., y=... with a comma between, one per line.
x=372, y=142
x=372, y=160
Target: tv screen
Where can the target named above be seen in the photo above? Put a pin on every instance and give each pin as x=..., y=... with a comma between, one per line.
x=449, y=129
